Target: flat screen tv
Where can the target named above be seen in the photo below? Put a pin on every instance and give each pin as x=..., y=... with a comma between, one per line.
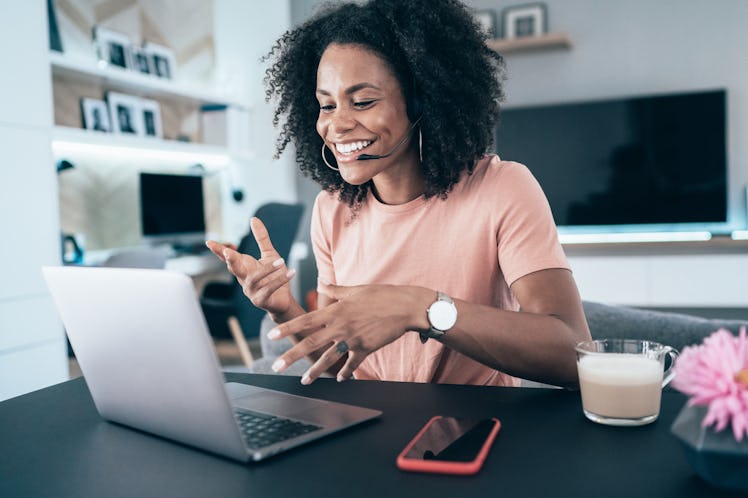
x=643, y=163
x=172, y=208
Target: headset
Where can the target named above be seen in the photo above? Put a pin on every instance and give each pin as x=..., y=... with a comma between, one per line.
x=414, y=111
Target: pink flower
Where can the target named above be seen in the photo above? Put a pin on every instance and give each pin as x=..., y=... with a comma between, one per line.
x=715, y=374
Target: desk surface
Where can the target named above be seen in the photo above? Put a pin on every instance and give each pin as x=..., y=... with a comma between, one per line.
x=55, y=444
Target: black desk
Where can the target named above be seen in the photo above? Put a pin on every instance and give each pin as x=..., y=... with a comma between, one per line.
x=53, y=443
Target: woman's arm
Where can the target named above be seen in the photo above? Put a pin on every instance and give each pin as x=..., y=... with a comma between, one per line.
x=536, y=343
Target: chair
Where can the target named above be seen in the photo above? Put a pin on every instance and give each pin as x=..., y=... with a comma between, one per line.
x=228, y=312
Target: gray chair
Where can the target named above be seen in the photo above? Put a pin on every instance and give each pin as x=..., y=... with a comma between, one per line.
x=673, y=329
x=228, y=312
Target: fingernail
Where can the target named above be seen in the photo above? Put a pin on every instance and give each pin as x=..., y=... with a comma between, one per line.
x=341, y=378
x=278, y=262
x=290, y=273
x=323, y=281
x=306, y=380
x=278, y=365
x=274, y=334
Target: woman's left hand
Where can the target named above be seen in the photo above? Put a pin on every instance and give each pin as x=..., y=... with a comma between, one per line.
x=363, y=319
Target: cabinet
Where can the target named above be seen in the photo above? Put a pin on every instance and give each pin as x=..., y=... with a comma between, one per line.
x=701, y=274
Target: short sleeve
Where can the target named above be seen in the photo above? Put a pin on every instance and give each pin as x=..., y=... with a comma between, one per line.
x=527, y=236
x=321, y=240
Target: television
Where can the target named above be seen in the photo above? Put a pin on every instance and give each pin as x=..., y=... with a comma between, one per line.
x=172, y=209
x=644, y=163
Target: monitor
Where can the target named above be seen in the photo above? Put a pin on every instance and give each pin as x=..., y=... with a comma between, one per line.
x=655, y=162
x=172, y=208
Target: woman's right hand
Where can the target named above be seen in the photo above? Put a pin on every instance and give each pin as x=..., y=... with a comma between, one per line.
x=265, y=281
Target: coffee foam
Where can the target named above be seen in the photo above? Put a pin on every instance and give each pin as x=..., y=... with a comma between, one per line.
x=620, y=369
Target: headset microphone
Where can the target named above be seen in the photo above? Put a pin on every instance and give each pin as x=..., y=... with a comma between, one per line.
x=368, y=157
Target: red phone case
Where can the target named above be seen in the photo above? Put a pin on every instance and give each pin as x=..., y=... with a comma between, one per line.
x=442, y=467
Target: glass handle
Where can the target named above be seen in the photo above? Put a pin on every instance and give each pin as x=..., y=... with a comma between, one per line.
x=670, y=373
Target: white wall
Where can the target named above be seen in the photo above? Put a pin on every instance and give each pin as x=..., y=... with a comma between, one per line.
x=649, y=47
x=243, y=34
x=33, y=351
x=643, y=47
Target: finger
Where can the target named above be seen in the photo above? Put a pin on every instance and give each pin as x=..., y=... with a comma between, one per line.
x=262, y=237
x=302, y=349
x=263, y=273
x=235, y=263
x=354, y=360
x=329, y=358
x=217, y=248
x=269, y=287
x=308, y=322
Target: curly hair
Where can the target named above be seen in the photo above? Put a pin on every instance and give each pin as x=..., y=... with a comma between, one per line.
x=439, y=56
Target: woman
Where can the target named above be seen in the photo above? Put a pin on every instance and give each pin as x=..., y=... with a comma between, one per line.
x=426, y=248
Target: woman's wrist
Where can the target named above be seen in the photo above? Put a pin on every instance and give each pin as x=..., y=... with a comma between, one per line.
x=292, y=312
x=420, y=300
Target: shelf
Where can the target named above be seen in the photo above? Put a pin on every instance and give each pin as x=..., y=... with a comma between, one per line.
x=74, y=141
x=131, y=82
x=531, y=43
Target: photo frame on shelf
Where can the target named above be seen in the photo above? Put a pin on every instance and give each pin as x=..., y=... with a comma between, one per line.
x=125, y=113
x=95, y=114
x=112, y=47
x=55, y=41
x=162, y=60
x=150, y=111
x=139, y=60
x=486, y=19
x=525, y=20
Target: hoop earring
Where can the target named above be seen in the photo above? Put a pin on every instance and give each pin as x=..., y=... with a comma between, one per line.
x=325, y=159
x=420, y=145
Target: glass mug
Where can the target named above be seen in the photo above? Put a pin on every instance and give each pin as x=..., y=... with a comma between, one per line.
x=621, y=380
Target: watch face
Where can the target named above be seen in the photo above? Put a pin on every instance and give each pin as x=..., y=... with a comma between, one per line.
x=442, y=315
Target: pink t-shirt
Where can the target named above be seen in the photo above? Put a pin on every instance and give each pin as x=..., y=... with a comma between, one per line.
x=494, y=227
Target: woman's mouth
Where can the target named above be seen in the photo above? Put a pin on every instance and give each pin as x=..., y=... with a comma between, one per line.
x=349, y=151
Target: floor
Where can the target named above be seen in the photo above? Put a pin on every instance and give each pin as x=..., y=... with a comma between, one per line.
x=228, y=355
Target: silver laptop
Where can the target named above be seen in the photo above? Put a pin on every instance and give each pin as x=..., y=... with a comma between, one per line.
x=143, y=346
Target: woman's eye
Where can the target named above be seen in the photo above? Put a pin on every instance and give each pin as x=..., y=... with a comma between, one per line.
x=363, y=104
x=326, y=108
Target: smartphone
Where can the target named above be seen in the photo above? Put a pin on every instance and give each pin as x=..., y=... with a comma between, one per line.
x=450, y=445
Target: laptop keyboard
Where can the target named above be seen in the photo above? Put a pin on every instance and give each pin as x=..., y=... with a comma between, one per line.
x=260, y=430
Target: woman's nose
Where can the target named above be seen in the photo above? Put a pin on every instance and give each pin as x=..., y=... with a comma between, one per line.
x=341, y=121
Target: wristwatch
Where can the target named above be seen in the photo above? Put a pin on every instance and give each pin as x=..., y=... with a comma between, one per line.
x=442, y=315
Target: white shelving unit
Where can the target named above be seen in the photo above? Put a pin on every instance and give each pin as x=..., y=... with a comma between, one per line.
x=547, y=41
x=65, y=139
x=127, y=81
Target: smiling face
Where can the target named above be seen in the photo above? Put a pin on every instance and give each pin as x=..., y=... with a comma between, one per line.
x=363, y=111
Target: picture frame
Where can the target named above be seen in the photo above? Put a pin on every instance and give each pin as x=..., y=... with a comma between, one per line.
x=486, y=19
x=125, y=113
x=112, y=47
x=525, y=20
x=95, y=115
x=162, y=59
x=140, y=61
x=150, y=111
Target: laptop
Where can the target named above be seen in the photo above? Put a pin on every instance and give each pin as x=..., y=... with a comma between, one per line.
x=143, y=346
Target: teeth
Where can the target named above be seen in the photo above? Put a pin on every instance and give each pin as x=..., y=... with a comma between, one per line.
x=352, y=147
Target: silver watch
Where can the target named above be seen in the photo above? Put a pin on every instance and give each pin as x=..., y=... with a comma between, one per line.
x=442, y=315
